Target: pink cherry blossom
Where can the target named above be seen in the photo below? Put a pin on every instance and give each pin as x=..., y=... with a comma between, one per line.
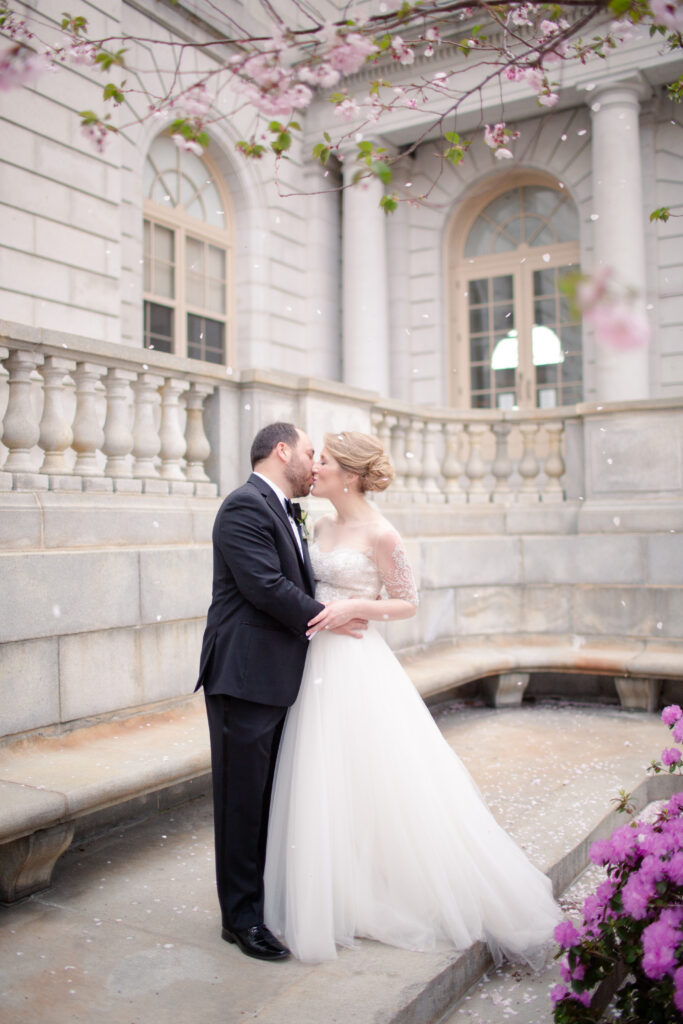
x=403, y=53
x=196, y=101
x=97, y=134
x=621, y=31
x=668, y=13
x=347, y=109
x=548, y=99
x=618, y=325
x=502, y=153
x=20, y=66
x=187, y=144
x=520, y=14
x=323, y=74
x=350, y=55
x=514, y=74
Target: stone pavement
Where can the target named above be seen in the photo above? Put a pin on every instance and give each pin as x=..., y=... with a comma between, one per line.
x=129, y=931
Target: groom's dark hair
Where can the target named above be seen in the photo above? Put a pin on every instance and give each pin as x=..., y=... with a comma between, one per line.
x=269, y=436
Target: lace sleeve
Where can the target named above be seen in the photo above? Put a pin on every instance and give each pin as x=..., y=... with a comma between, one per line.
x=394, y=568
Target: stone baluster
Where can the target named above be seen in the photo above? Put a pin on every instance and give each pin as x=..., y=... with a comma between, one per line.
x=198, y=447
x=529, y=466
x=56, y=434
x=501, y=466
x=21, y=427
x=451, y=467
x=398, y=454
x=146, y=442
x=118, y=436
x=88, y=434
x=382, y=423
x=172, y=439
x=475, y=467
x=431, y=468
x=413, y=457
x=554, y=465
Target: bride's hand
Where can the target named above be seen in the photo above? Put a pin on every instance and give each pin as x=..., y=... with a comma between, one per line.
x=334, y=616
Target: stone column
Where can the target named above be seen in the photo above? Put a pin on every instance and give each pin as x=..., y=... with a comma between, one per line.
x=365, y=313
x=619, y=227
x=55, y=433
x=21, y=425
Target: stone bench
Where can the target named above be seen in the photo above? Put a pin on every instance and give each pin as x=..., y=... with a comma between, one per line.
x=57, y=788
x=54, y=789
x=505, y=664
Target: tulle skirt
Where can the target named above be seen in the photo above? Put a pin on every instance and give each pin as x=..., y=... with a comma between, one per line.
x=377, y=829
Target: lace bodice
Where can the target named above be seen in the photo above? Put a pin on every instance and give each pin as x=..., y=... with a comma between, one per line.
x=344, y=572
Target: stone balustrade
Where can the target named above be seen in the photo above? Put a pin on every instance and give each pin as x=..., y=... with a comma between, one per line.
x=474, y=457
x=103, y=418
x=79, y=415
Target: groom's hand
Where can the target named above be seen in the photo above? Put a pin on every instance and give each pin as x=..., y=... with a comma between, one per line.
x=356, y=627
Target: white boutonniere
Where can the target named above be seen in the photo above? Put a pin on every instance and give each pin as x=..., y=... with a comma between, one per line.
x=301, y=519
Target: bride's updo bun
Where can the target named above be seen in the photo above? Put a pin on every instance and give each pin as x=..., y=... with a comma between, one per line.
x=364, y=455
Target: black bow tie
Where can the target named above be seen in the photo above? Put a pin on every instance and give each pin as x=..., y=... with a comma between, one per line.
x=293, y=509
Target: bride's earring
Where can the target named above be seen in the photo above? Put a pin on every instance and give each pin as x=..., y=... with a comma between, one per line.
x=346, y=490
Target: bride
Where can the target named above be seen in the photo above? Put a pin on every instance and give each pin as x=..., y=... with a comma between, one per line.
x=376, y=828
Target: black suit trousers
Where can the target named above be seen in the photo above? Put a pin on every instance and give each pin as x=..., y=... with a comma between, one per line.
x=245, y=737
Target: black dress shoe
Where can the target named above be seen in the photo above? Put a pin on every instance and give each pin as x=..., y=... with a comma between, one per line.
x=256, y=941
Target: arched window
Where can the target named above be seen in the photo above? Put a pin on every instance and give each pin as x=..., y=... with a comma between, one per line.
x=516, y=342
x=187, y=255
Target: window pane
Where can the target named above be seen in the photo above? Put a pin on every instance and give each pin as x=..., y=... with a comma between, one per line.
x=566, y=222
x=194, y=285
x=544, y=311
x=213, y=205
x=570, y=396
x=546, y=373
x=502, y=288
x=216, y=296
x=205, y=339
x=505, y=207
x=157, y=327
x=503, y=319
x=546, y=236
x=194, y=255
x=479, y=320
x=481, y=401
x=480, y=378
x=504, y=379
x=479, y=349
x=216, y=265
x=544, y=282
x=163, y=280
x=572, y=369
x=163, y=244
x=571, y=338
x=478, y=291
x=540, y=200
x=479, y=239
x=504, y=243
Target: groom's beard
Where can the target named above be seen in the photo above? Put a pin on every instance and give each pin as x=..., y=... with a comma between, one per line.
x=299, y=476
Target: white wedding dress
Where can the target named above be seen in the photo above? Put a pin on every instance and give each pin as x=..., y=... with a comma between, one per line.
x=376, y=828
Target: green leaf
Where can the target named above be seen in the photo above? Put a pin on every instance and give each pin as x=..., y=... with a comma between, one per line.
x=381, y=170
x=294, y=126
x=106, y=59
x=252, y=150
x=274, y=126
x=113, y=92
x=663, y=213
x=321, y=152
x=388, y=203
x=327, y=137
x=452, y=137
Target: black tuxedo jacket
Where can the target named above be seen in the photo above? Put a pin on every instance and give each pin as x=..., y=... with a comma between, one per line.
x=255, y=642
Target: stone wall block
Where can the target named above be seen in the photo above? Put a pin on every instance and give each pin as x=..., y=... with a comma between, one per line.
x=93, y=520
x=546, y=609
x=470, y=560
x=97, y=673
x=487, y=610
x=581, y=559
x=648, y=612
x=175, y=584
x=29, y=672
x=167, y=658
x=19, y=521
x=665, y=558
x=46, y=593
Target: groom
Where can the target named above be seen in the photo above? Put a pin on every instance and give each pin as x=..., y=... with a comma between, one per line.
x=251, y=665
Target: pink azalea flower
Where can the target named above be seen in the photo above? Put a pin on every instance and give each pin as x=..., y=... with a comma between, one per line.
x=671, y=755
x=623, y=842
x=601, y=851
x=557, y=993
x=636, y=895
x=671, y=714
x=566, y=934
x=678, y=731
x=652, y=869
x=678, y=989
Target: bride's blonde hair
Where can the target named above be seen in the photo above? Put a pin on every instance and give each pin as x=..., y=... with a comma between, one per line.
x=364, y=455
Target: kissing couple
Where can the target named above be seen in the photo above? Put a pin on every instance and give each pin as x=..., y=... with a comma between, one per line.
x=340, y=812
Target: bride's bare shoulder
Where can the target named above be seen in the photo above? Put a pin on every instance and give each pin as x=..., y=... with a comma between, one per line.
x=323, y=524
x=384, y=532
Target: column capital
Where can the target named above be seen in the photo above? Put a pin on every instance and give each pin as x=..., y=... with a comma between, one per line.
x=615, y=90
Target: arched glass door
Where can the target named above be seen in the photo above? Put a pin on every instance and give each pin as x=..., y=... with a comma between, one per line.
x=517, y=343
